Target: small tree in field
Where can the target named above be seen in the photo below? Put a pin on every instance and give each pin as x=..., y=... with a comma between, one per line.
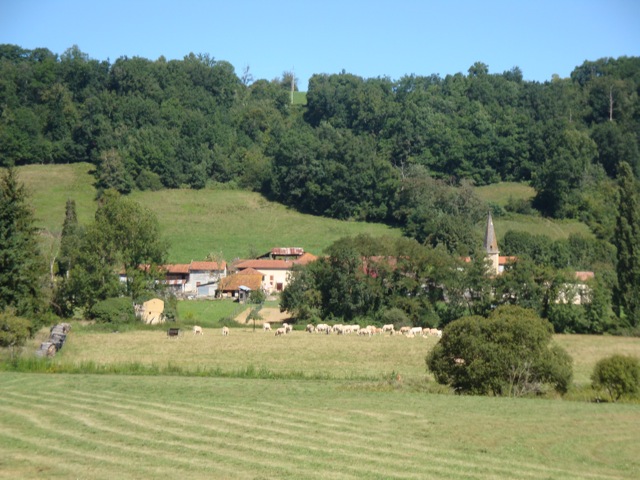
x=618, y=374
x=509, y=353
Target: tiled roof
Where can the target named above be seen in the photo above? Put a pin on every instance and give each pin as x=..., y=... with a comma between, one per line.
x=584, y=276
x=503, y=260
x=265, y=265
x=208, y=266
x=249, y=271
x=177, y=268
x=234, y=282
x=305, y=259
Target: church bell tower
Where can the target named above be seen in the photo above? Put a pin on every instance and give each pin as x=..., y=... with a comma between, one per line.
x=491, y=246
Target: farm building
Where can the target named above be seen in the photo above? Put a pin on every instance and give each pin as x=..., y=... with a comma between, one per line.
x=275, y=272
x=241, y=284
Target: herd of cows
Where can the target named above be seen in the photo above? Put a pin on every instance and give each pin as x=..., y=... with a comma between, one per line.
x=340, y=329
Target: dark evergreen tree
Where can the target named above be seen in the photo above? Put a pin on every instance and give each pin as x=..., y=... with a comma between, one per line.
x=627, y=241
x=70, y=239
x=21, y=264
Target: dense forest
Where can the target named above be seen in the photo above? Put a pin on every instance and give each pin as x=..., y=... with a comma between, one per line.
x=406, y=152
x=360, y=148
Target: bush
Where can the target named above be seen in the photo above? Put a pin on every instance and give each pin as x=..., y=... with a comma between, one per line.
x=508, y=353
x=14, y=331
x=395, y=316
x=113, y=310
x=618, y=374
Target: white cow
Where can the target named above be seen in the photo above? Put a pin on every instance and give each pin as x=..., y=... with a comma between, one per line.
x=281, y=331
x=416, y=331
x=287, y=328
x=322, y=327
x=266, y=327
x=388, y=328
x=197, y=330
x=225, y=331
x=310, y=328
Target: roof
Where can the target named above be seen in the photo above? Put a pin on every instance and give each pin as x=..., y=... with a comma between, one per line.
x=265, y=264
x=584, y=276
x=288, y=251
x=208, y=266
x=249, y=271
x=305, y=259
x=177, y=268
x=503, y=260
x=234, y=282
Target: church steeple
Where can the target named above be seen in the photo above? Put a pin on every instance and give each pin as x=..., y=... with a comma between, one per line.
x=491, y=245
x=490, y=240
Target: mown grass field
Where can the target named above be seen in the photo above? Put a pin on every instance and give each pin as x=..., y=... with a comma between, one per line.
x=302, y=406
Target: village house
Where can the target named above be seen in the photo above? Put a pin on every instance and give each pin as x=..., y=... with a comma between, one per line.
x=276, y=271
x=195, y=279
x=240, y=285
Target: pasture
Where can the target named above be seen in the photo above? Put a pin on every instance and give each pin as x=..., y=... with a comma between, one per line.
x=235, y=223
x=303, y=406
x=133, y=427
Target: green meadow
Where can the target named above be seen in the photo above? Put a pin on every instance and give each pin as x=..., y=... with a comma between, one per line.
x=304, y=406
x=135, y=404
x=238, y=224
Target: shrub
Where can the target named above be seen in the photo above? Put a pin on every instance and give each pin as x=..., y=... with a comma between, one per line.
x=113, y=310
x=395, y=316
x=508, y=353
x=14, y=331
x=618, y=374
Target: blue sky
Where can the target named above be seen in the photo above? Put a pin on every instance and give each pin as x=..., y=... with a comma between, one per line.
x=367, y=38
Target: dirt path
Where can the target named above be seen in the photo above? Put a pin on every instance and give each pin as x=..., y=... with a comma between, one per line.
x=270, y=315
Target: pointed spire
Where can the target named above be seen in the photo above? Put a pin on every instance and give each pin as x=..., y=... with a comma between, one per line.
x=490, y=240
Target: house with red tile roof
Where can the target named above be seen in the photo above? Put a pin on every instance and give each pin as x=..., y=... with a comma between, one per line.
x=275, y=272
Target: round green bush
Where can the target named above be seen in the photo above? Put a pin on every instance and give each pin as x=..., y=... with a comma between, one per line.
x=618, y=374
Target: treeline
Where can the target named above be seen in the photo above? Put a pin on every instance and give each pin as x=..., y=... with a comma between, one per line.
x=397, y=151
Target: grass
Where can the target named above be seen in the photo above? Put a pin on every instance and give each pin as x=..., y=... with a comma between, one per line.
x=318, y=356
x=238, y=224
x=50, y=186
x=241, y=224
x=81, y=426
x=501, y=193
x=208, y=313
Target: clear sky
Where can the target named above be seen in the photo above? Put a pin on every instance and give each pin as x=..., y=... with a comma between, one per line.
x=369, y=38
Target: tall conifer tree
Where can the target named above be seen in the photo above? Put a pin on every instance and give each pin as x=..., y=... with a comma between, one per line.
x=627, y=241
x=21, y=264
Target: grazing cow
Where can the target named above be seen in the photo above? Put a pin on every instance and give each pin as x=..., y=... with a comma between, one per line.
x=266, y=327
x=197, y=330
x=310, y=328
x=388, y=328
x=416, y=330
x=404, y=329
x=287, y=328
x=281, y=331
x=322, y=327
x=225, y=331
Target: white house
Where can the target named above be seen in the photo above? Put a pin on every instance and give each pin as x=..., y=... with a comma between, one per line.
x=275, y=272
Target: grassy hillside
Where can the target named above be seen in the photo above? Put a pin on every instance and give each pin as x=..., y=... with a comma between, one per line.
x=50, y=186
x=237, y=223
x=501, y=193
x=241, y=224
